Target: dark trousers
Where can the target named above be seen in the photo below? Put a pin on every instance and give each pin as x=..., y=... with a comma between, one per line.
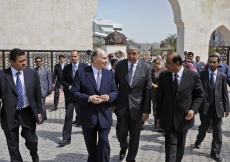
x=67, y=129
x=217, y=130
x=125, y=125
x=174, y=145
x=56, y=94
x=44, y=117
x=25, y=119
x=98, y=150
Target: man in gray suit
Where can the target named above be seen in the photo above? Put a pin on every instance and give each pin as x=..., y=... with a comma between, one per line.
x=45, y=78
x=133, y=105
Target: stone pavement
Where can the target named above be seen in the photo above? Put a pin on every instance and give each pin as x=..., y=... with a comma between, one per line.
x=151, y=147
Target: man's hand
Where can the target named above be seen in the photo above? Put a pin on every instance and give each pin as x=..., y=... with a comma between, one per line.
x=154, y=85
x=95, y=99
x=144, y=117
x=190, y=115
x=60, y=91
x=39, y=117
x=226, y=114
x=53, y=85
x=104, y=98
x=158, y=122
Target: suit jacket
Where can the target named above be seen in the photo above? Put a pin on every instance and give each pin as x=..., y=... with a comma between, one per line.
x=136, y=97
x=84, y=85
x=8, y=93
x=57, y=75
x=172, y=108
x=221, y=94
x=67, y=77
x=45, y=81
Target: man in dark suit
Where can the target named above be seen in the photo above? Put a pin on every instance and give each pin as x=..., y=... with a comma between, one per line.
x=94, y=89
x=21, y=97
x=133, y=104
x=68, y=75
x=215, y=103
x=57, y=78
x=45, y=78
x=113, y=65
x=179, y=96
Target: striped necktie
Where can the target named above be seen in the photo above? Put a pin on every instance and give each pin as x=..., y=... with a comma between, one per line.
x=20, y=100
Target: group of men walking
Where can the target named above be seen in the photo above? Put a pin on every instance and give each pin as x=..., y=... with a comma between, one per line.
x=94, y=90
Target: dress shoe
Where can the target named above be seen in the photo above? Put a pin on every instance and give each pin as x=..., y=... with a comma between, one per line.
x=78, y=125
x=197, y=146
x=74, y=122
x=35, y=158
x=122, y=154
x=64, y=142
x=216, y=156
x=53, y=109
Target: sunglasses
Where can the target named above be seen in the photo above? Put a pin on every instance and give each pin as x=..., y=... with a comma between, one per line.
x=38, y=61
x=111, y=56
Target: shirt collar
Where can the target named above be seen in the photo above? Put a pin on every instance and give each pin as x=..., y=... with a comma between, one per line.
x=73, y=65
x=95, y=70
x=134, y=65
x=14, y=71
x=180, y=72
x=209, y=71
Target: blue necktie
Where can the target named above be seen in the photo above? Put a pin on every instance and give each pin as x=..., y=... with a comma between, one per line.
x=20, y=101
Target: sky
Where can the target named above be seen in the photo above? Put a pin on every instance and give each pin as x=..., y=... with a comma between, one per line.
x=145, y=21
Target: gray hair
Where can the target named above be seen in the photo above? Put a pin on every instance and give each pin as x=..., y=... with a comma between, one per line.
x=133, y=46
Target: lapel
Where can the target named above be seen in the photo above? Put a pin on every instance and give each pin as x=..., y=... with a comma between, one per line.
x=125, y=70
x=59, y=65
x=9, y=78
x=26, y=79
x=217, y=79
x=103, y=81
x=183, y=80
x=137, y=71
x=42, y=71
x=90, y=75
x=170, y=81
x=71, y=71
x=206, y=75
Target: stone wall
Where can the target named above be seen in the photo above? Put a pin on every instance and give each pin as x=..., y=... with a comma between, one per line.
x=47, y=24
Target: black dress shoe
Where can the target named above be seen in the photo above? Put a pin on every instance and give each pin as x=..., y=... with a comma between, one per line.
x=209, y=130
x=122, y=154
x=64, y=142
x=78, y=125
x=35, y=158
x=216, y=156
x=53, y=109
x=74, y=122
x=197, y=146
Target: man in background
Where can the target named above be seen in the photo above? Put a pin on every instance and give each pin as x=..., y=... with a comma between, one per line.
x=113, y=64
x=57, y=77
x=110, y=57
x=45, y=79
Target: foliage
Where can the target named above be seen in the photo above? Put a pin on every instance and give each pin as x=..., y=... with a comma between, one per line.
x=98, y=44
x=172, y=41
x=130, y=41
x=156, y=52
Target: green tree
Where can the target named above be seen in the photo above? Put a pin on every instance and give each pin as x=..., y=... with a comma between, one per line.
x=172, y=41
x=129, y=41
x=98, y=44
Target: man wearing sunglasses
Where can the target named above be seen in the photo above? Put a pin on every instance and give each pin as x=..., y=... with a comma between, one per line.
x=110, y=57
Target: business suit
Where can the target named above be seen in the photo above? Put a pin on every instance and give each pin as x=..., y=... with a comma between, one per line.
x=46, y=86
x=213, y=109
x=67, y=80
x=27, y=117
x=57, y=78
x=131, y=103
x=172, y=108
x=95, y=118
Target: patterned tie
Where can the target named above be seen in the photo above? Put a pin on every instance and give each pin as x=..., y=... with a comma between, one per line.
x=130, y=74
x=98, y=80
x=175, y=83
x=20, y=101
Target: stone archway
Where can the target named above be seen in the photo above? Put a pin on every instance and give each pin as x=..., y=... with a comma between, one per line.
x=226, y=34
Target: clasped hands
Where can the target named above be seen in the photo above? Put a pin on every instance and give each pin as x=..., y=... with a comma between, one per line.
x=98, y=99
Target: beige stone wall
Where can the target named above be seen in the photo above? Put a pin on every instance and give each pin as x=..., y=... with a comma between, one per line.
x=196, y=20
x=47, y=24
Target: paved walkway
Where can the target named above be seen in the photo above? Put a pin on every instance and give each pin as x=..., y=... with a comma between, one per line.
x=151, y=147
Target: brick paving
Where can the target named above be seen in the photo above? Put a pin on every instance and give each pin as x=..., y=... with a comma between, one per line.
x=151, y=147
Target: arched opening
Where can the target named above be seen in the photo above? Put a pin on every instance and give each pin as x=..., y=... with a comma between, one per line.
x=124, y=13
x=220, y=42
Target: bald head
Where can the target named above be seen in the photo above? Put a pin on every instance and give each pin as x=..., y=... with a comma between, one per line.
x=216, y=53
x=173, y=62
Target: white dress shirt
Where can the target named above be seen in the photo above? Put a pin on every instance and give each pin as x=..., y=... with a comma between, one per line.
x=21, y=76
x=134, y=69
x=179, y=75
